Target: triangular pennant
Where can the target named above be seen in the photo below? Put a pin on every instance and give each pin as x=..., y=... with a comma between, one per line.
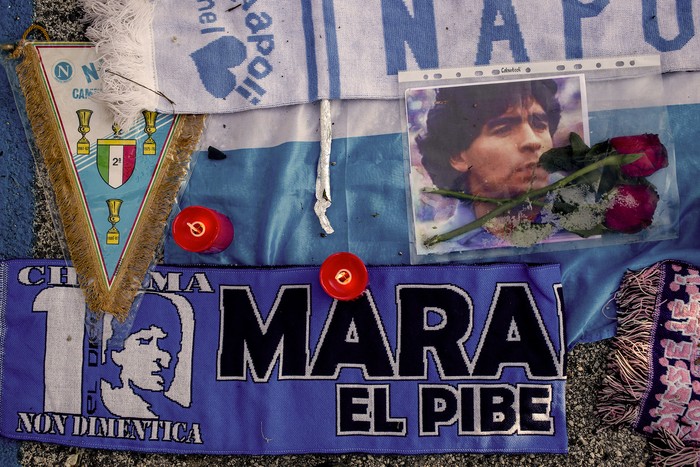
x=114, y=187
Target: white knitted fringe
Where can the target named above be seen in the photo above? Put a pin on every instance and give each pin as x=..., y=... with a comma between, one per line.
x=121, y=31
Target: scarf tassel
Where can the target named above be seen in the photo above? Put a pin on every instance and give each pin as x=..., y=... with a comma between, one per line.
x=625, y=380
x=670, y=451
x=627, y=373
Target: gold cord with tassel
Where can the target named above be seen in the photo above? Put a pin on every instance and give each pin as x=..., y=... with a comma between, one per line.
x=16, y=50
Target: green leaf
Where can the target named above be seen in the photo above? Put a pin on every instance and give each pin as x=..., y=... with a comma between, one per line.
x=578, y=146
x=598, y=152
x=602, y=149
x=597, y=230
x=558, y=159
x=562, y=208
x=610, y=177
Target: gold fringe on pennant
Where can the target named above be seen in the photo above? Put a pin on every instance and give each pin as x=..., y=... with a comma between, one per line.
x=628, y=369
x=147, y=234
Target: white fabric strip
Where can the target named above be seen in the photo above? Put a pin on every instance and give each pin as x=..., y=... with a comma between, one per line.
x=123, y=37
x=323, y=179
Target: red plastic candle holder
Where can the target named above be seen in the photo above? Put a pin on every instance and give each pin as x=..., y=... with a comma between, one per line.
x=202, y=230
x=343, y=276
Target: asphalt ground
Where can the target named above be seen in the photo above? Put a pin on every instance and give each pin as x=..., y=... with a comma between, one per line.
x=589, y=442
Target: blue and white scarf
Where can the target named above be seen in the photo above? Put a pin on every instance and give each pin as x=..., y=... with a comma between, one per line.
x=207, y=56
x=262, y=361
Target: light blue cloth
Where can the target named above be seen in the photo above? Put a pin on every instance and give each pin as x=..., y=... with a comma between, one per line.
x=268, y=194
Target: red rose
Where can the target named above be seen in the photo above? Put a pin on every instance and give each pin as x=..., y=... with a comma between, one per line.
x=632, y=209
x=654, y=156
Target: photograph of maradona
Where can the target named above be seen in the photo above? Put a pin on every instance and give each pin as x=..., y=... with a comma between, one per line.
x=475, y=147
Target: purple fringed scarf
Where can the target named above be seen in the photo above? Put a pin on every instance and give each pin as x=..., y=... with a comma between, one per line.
x=653, y=380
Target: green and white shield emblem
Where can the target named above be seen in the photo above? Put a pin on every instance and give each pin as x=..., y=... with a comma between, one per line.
x=116, y=159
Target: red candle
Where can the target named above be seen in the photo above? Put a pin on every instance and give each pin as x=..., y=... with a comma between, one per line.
x=343, y=276
x=202, y=230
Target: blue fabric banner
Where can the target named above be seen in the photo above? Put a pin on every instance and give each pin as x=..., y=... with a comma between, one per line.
x=262, y=361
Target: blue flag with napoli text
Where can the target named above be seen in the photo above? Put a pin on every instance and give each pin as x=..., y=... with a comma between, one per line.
x=262, y=361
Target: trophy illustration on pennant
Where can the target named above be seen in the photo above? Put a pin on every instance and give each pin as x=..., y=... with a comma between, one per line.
x=113, y=233
x=149, y=146
x=83, y=128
